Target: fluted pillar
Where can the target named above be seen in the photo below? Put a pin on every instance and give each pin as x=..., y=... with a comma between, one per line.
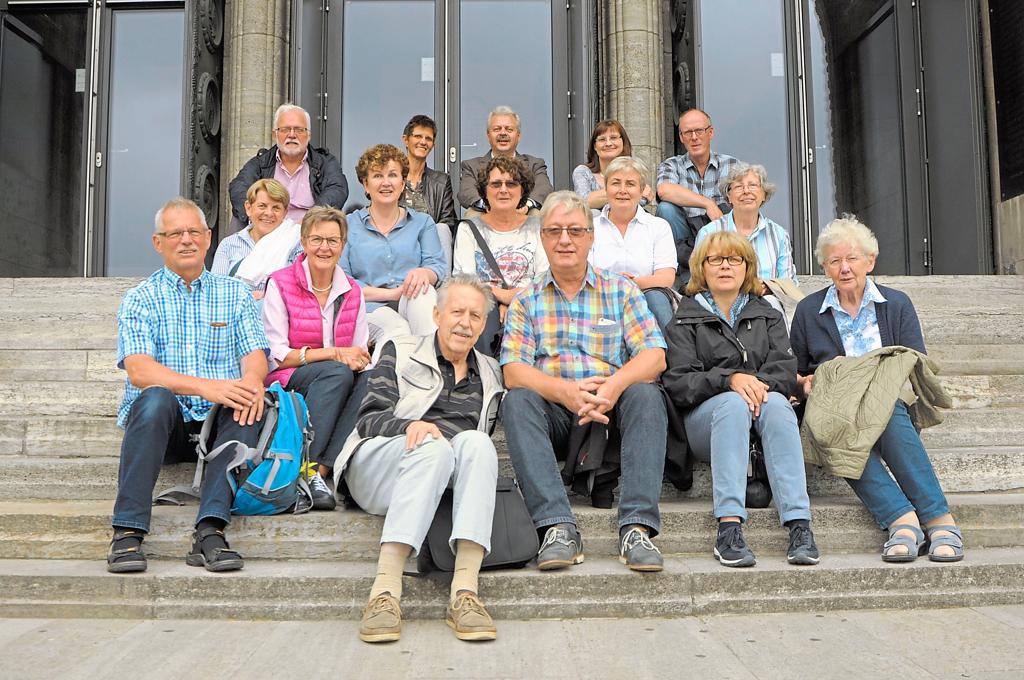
x=634, y=62
x=257, y=47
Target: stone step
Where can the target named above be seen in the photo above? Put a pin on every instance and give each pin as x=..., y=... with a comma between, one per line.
x=103, y=397
x=81, y=529
x=599, y=588
x=33, y=365
x=98, y=435
x=966, y=469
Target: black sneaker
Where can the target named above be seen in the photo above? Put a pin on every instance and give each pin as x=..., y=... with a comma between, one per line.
x=730, y=548
x=562, y=547
x=802, y=549
x=323, y=497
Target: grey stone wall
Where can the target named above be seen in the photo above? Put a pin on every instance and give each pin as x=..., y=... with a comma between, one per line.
x=256, y=73
x=633, y=60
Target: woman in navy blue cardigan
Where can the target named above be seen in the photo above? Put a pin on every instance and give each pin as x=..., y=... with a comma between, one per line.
x=852, y=317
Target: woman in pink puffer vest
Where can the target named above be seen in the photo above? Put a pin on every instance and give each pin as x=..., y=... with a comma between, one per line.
x=315, y=319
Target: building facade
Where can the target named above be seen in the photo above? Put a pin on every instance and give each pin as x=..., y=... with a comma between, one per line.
x=909, y=114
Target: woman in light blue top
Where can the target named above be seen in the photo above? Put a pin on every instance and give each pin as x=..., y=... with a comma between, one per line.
x=393, y=252
x=747, y=188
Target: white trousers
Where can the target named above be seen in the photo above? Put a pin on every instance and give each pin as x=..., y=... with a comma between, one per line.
x=414, y=317
x=406, y=486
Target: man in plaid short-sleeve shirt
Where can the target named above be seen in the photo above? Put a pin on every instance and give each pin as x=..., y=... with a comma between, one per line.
x=688, y=196
x=582, y=347
x=188, y=339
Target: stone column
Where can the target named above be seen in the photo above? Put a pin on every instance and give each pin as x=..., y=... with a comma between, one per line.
x=257, y=47
x=634, y=62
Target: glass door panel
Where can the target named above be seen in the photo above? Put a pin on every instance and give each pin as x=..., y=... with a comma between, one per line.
x=506, y=59
x=42, y=110
x=742, y=50
x=388, y=77
x=143, y=154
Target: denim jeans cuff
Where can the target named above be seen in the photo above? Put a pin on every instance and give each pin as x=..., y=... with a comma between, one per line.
x=224, y=517
x=895, y=515
x=794, y=514
x=129, y=524
x=552, y=521
x=939, y=512
x=731, y=511
x=651, y=523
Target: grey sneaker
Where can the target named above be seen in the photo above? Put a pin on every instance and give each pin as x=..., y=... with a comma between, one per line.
x=730, y=548
x=323, y=497
x=562, y=547
x=638, y=553
x=382, y=620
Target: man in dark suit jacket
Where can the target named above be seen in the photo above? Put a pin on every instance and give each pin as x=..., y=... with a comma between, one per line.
x=312, y=176
x=503, y=135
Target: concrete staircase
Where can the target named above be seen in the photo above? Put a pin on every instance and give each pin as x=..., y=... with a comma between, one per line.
x=59, y=447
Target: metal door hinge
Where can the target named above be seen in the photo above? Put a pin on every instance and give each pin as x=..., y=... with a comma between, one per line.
x=453, y=154
x=810, y=155
x=99, y=159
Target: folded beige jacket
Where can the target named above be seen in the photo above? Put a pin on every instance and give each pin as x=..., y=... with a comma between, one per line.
x=853, y=399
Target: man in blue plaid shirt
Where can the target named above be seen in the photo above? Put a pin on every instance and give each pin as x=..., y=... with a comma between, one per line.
x=188, y=339
x=688, y=196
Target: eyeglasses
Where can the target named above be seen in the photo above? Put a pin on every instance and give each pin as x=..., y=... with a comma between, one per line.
x=851, y=260
x=499, y=183
x=317, y=241
x=176, y=235
x=608, y=139
x=717, y=260
x=750, y=186
x=695, y=132
x=573, y=231
x=291, y=130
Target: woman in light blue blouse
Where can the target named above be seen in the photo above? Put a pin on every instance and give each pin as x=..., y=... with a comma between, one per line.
x=608, y=141
x=393, y=252
x=850, y=318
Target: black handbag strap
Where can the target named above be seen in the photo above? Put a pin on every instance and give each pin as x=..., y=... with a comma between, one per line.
x=488, y=255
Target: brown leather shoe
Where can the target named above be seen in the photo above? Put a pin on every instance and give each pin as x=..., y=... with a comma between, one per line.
x=382, y=620
x=468, y=618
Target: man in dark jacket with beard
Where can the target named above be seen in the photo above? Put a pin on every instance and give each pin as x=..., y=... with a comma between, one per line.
x=312, y=176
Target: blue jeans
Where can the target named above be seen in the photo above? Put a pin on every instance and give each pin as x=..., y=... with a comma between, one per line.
x=156, y=434
x=676, y=217
x=915, y=488
x=719, y=431
x=536, y=429
x=660, y=307
x=333, y=394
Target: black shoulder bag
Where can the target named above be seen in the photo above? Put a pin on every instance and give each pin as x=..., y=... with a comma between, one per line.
x=488, y=255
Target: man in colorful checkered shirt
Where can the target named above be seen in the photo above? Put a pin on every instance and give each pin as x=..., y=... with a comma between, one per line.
x=688, y=193
x=581, y=346
x=188, y=339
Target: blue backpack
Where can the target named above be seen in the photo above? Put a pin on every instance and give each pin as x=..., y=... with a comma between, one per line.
x=267, y=479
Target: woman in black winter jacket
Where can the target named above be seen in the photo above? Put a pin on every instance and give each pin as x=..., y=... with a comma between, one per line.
x=730, y=367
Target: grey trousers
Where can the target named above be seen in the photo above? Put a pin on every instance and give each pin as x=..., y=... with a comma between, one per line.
x=406, y=486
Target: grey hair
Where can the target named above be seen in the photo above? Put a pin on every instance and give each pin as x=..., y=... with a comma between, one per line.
x=504, y=111
x=288, y=106
x=845, y=230
x=569, y=200
x=738, y=171
x=624, y=163
x=178, y=202
x=470, y=281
